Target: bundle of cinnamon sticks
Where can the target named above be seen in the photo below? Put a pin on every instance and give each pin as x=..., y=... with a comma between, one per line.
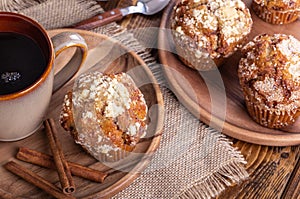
x=58, y=161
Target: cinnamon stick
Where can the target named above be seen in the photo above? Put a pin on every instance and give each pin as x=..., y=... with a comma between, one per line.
x=45, y=160
x=62, y=166
x=35, y=179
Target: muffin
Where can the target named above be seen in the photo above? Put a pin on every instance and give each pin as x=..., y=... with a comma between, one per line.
x=205, y=32
x=106, y=114
x=277, y=11
x=269, y=74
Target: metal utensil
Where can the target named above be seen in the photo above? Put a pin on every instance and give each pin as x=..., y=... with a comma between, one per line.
x=146, y=7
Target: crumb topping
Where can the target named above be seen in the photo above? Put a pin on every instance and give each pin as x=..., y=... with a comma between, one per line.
x=109, y=112
x=215, y=25
x=118, y=99
x=270, y=70
x=66, y=114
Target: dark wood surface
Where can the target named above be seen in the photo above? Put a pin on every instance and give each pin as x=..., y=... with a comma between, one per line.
x=274, y=171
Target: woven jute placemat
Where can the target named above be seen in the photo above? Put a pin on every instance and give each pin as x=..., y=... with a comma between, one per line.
x=193, y=160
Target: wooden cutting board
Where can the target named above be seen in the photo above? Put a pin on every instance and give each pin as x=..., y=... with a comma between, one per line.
x=216, y=97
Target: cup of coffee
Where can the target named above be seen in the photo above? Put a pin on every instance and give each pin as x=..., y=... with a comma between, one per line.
x=27, y=78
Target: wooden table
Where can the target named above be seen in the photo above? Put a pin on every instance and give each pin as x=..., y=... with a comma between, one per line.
x=274, y=171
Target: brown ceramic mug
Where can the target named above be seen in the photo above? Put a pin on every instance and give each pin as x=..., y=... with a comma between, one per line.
x=27, y=79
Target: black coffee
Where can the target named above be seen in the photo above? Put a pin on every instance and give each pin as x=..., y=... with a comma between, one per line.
x=21, y=62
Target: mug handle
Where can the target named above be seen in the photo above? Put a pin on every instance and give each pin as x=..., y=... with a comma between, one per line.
x=61, y=42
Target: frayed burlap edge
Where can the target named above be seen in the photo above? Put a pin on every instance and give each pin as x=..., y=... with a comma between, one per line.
x=230, y=173
x=214, y=184
x=17, y=5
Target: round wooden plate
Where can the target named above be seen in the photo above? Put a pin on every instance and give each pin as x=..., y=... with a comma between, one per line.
x=215, y=97
x=111, y=58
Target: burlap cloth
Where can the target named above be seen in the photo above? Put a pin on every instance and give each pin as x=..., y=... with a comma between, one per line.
x=194, y=160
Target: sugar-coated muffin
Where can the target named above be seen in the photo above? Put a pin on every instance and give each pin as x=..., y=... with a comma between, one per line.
x=205, y=32
x=277, y=11
x=106, y=114
x=269, y=74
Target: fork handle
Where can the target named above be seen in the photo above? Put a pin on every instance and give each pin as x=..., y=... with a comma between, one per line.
x=99, y=20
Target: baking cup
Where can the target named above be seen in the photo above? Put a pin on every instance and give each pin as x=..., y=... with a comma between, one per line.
x=112, y=156
x=187, y=51
x=274, y=16
x=194, y=57
x=270, y=117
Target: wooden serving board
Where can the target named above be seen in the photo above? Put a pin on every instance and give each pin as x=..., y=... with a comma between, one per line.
x=216, y=97
x=111, y=58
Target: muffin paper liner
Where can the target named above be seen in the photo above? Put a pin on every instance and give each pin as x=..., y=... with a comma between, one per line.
x=186, y=51
x=113, y=156
x=270, y=117
x=274, y=16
